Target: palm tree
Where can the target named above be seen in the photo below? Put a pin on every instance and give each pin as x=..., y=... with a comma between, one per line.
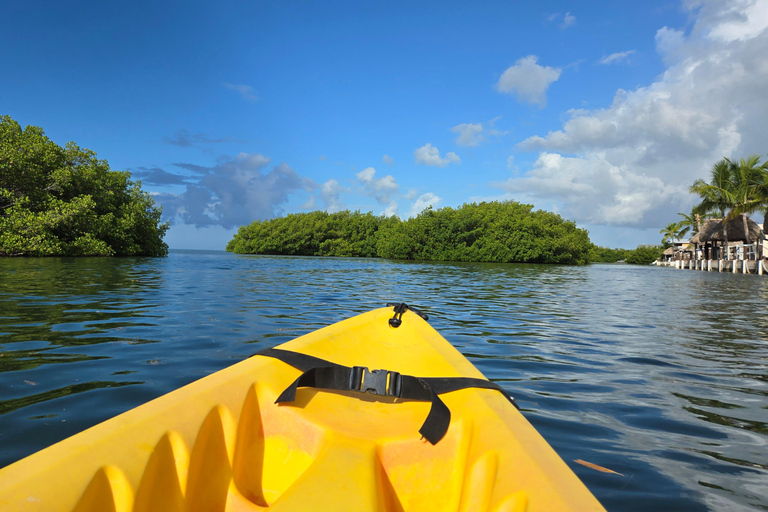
x=717, y=195
x=749, y=181
x=671, y=232
x=690, y=222
x=735, y=188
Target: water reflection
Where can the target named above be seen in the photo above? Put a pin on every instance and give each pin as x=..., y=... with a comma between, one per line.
x=654, y=373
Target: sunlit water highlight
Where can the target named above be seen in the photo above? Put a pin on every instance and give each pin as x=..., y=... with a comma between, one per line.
x=658, y=374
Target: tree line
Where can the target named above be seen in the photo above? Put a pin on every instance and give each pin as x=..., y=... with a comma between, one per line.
x=735, y=189
x=63, y=201
x=502, y=232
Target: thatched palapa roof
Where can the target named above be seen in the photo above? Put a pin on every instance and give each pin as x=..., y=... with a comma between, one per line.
x=712, y=231
x=669, y=251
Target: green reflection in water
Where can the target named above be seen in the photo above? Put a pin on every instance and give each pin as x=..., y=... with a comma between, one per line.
x=76, y=301
x=708, y=402
x=16, y=360
x=17, y=403
x=739, y=462
x=719, y=419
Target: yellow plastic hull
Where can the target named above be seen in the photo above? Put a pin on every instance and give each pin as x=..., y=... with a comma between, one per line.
x=221, y=444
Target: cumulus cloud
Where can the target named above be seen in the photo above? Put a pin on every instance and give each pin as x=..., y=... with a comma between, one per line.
x=470, y=134
x=617, y=57
x=668, y=41
x=246, y=91
x=330, y=193
x=594, y=191
x=387, y=159
x=424, y=200
x=528, y=80
x=746, y=19
x=391, y=209
x=630, y=164
x=430, y=155
x=380, y=189
x=234, y=192
x=473, y=134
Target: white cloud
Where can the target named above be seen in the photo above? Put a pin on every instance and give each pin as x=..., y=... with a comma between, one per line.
x=616, y=57
x=430, y=155
x=425, y=200
x=491, y=127
x=744, y=20
x=528, y=80
x=330, y=193
x=593, y=190
x=470, y=134
x=473, y=134
x=381, y=189
x=390, y=210
x=631, y=163
x=568, y=20
x=311, y=204
x=387, y=159
x=669, y=40
x=246, y=91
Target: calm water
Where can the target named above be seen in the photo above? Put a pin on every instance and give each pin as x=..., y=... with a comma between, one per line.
x=658, y=374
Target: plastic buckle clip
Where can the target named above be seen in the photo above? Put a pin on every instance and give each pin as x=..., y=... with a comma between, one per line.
x=377, y=382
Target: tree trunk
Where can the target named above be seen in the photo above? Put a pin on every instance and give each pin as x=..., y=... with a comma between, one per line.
x=762, y=236
x=746, y=232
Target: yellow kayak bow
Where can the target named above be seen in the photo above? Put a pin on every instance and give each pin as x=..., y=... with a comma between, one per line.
x=223, y=444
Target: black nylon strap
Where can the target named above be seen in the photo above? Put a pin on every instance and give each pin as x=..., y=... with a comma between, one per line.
x=298, y=360
x=322, y=374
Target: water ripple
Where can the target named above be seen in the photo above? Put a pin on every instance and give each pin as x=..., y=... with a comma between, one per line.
x=658, y=374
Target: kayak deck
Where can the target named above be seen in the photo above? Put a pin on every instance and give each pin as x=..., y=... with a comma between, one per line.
x=221, y=443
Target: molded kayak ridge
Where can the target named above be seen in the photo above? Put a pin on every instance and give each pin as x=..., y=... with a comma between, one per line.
x=222, y=444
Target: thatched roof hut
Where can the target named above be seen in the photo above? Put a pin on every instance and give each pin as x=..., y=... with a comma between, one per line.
x=669, y=251
x=712, y=231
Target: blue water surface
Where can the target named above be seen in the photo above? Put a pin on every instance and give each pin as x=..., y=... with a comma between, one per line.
x=658, y=374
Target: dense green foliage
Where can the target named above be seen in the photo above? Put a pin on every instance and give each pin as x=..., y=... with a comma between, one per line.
x=310, y=234
x=58, y=201
x=495, y=232
x=644, y=254
x=606, y=255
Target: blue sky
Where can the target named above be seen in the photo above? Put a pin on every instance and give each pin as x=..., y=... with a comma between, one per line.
x=603, y=112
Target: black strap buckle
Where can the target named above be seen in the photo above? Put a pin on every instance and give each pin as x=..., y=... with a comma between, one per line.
x=377, y=382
